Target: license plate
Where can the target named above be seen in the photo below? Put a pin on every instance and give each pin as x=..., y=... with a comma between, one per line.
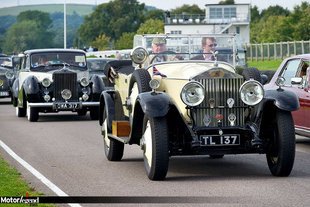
x=4, y=93
x=220, y=140
x=66, y=105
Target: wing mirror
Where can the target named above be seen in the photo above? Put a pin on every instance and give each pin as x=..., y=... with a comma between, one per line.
x=280, y=82
x=296, y=80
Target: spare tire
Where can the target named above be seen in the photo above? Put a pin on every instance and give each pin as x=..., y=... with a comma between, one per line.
x=252, y=73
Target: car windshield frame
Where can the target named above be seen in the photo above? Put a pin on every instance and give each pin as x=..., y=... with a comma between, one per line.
x=189, y=46
x=54, y=60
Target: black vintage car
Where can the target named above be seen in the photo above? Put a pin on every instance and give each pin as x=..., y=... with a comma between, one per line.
x=53, y=80
x=6, y=76
x=97, y=66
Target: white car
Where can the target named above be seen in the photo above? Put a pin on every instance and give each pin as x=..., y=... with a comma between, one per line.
x=194, y=107
x=53, y=80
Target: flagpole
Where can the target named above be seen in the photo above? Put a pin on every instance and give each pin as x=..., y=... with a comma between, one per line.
x=65, y=25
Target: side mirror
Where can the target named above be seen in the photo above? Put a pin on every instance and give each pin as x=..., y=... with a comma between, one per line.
x=280, y=82
x=296, y=80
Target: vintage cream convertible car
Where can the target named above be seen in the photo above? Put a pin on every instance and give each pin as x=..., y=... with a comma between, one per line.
x=194, y=107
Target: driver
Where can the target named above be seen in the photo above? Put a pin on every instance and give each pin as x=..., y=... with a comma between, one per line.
x=159, y=46
x=160, y=52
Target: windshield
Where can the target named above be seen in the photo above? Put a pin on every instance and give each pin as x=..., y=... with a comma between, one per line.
x=96, y=64
x=224, y=47
x=56, y=60
x=6, y=62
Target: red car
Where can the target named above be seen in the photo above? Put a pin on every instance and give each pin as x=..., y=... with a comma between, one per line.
x=294, y=75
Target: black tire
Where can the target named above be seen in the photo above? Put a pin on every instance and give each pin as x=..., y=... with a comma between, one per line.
x=94, y=113
x=20, y=112
x=82, y=112
x=155, y=147
x=252, y=73
x=14, y=101
x=281, y=149
x=113, y=149
x=216, y=156
x=32, y=114
x=269, y=74
x=142, y=78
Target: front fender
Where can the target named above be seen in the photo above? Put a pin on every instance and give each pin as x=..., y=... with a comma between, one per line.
x=154, y=104
x=282, y=99
x=98, y=85
x=31, y=85
x=15, y=88
x=106, y=103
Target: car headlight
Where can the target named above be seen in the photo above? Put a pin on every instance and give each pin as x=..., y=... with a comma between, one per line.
x=9, y=75
x=251, y=92
x=154, y=84
x=66, y=94
x=46, y=82
x=84, y=82
x=138, y=55
x=192, y=93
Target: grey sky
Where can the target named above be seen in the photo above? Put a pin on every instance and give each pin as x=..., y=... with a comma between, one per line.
x=165, y=5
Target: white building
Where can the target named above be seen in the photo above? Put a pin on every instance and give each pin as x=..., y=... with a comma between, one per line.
x=218, y=19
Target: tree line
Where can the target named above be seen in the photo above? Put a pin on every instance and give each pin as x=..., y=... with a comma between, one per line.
x=112, y=25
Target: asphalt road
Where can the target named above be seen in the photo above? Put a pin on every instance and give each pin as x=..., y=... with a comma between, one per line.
x=68, y=150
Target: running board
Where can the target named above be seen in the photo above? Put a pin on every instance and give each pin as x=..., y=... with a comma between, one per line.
x=124, y=140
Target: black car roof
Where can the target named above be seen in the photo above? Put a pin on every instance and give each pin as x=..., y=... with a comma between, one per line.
x=53, y=50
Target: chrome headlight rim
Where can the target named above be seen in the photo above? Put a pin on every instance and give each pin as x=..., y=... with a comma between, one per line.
x=46, y=82
x=253, y=84
x=138, y=55
x=84, y=82
x=188, y=89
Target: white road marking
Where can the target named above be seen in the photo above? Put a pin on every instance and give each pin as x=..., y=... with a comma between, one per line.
x=36, y=173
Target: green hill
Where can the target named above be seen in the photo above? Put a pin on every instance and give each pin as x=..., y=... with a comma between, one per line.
x=80, y=9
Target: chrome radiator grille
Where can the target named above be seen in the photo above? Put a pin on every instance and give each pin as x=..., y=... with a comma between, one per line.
x=220, y=90
x=65, y=80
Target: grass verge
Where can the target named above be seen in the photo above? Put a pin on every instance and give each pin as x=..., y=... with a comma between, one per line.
x=12, y=184
x=265, y=65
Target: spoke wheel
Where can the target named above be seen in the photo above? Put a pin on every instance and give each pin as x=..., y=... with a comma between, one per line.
x=281, y=150
x=154, y=144
x=113, y=149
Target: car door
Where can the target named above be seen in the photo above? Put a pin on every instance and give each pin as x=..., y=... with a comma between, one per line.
x=295, y=68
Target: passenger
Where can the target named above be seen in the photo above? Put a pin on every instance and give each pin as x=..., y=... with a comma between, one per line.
x=42, y=60
x=208, y=49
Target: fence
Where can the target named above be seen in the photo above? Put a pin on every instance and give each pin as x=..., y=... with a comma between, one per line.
x=279, y=50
